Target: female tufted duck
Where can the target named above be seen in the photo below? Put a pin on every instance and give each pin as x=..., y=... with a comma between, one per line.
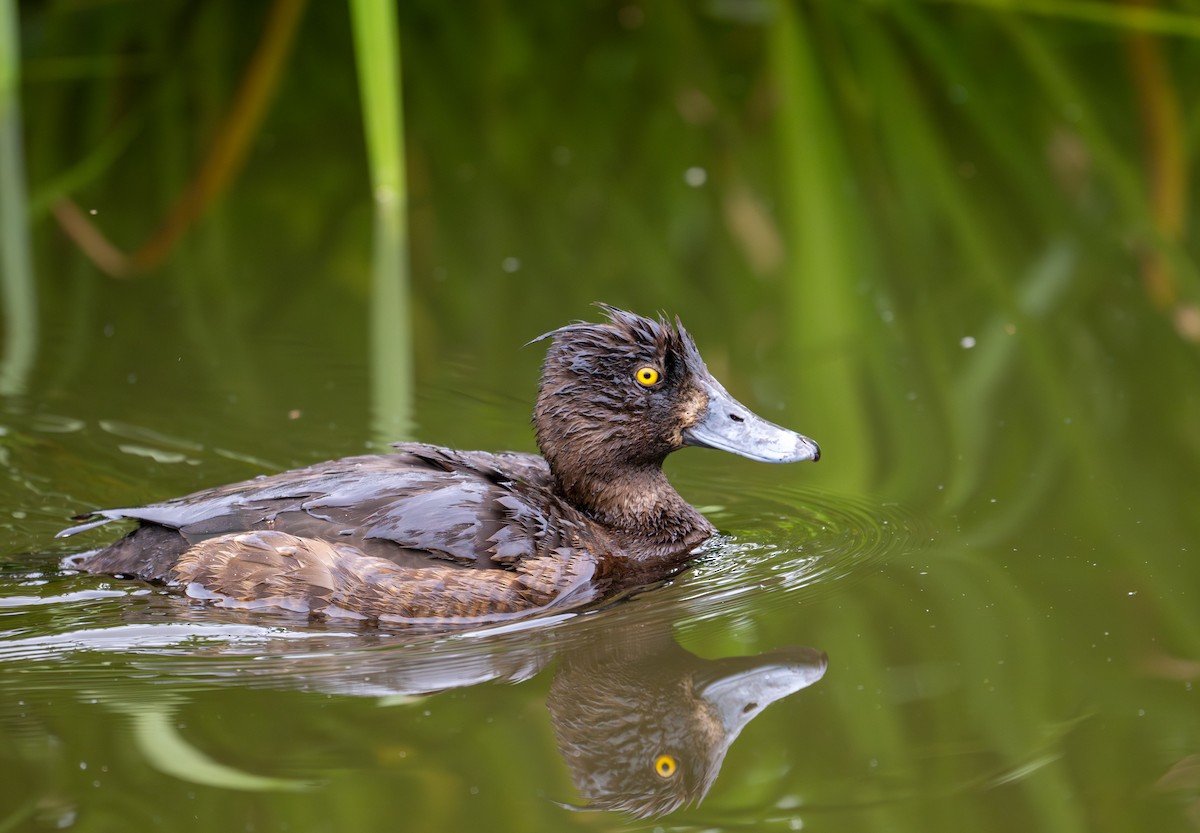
x=430, y=535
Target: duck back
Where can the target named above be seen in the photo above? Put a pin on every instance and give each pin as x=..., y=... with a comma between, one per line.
x=423, y=532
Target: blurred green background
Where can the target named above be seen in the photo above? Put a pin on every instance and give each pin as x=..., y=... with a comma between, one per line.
x=951, y=241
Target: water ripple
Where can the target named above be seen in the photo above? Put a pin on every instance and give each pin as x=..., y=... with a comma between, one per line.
x=802, y=545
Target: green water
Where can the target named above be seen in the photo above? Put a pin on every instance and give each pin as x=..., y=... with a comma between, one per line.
x=952, y=244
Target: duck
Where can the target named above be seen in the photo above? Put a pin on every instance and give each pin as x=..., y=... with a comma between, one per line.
x=427, y=535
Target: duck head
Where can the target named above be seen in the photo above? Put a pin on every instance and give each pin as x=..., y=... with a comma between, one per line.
x=617, y=397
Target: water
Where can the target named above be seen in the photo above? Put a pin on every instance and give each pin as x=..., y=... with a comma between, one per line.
x=965, y=669
x=925, y=236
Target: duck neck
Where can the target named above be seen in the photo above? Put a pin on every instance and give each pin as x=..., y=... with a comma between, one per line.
x=640, y=504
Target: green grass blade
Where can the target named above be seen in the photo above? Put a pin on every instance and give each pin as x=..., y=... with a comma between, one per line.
x=377, y=52
x=16, y=262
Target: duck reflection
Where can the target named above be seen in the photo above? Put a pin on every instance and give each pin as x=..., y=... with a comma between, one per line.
x=644, y=725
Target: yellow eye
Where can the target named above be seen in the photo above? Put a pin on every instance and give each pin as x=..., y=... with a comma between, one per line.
x=665, y=766
x=647, y=376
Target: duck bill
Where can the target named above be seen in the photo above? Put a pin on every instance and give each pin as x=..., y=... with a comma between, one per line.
x=739, y=688
x=730, y=426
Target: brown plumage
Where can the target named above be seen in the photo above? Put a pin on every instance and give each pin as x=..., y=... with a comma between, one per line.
x=433, y=535
x=267, y=568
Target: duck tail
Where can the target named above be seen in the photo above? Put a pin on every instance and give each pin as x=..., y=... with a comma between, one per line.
x=149, y=552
